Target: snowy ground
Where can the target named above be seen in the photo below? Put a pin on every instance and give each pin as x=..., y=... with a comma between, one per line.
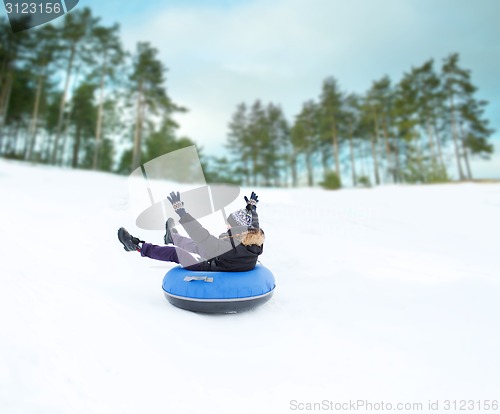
x=388, y=294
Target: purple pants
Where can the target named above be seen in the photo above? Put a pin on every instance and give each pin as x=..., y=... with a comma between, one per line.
x=179, y=253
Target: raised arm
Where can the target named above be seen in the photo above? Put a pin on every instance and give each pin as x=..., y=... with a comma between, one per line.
x=252, y=207
x=211, y=246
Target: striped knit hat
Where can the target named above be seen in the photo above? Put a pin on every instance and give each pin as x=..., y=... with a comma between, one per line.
x=241, y=217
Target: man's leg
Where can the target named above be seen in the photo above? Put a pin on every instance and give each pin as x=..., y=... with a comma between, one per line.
x=185, y=243
x=168, y=254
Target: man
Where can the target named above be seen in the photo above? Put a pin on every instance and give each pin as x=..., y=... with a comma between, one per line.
x=237, y=250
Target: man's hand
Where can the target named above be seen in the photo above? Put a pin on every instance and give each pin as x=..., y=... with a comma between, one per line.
x=252, y=202
x=177, y=204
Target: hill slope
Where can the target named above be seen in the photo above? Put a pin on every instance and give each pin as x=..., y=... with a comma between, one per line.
x=382, y=294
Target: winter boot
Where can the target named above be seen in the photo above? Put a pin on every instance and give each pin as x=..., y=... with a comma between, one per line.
x=129, y=242
x=169, y=229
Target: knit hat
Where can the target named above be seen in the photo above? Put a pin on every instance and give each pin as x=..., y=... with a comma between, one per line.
x=241, y=217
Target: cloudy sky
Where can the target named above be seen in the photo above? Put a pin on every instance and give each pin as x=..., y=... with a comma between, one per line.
x=223, y=52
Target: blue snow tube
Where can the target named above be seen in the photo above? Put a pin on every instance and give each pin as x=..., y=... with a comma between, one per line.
x=218, y=292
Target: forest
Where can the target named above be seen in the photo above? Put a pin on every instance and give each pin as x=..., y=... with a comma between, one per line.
x=72, y=96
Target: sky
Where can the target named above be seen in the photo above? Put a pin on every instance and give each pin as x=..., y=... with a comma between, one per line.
x=222, y=53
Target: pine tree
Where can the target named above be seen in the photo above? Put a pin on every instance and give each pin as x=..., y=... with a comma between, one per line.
x=163, y=141
x=427, y=99
x=238, y=140
x=108, y=48
x=351, y=109
x=379, y=103
x=45, y=49
x=256, y=138
x=455, y=79
x=305, y=137
x=76, y=39
x=331, y=118
x=369, y=122
x=474, y=130
x=147, y=84
x=405, y=122
x=83, y=118
x=280, y=138
x=13, y=49
x=18, y=113
x=220, y=170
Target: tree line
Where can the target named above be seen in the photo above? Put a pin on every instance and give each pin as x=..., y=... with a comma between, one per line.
x=70, y=95
x=420, y=129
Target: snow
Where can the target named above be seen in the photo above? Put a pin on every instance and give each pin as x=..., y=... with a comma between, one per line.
x=384, y=294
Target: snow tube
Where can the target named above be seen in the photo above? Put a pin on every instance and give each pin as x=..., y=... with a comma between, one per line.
x=218, y=292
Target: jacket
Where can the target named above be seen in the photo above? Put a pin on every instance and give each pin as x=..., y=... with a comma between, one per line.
x=223, y=254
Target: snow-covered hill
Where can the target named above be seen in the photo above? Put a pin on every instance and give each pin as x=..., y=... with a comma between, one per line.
x=388, y=294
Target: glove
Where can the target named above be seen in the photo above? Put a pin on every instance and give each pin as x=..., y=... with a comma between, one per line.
x=252, y=203
x=177, y=204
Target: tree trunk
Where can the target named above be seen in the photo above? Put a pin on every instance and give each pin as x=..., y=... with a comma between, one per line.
x=439, y=148
x=136, y=158
x=336, y=148
x=375, y=159
x=62, y=153
x=397, y=164
x=285, y=178
x=4, y=103
x=5, y=98
x=15, y=139
x=63, y=103
x=98, y=129
x=434, y=162
x=420, y=160
x=455, y=138
x=466, y=158
x=324, y=162
x=65, y=135
x=310, y=178
x=76, y=147
x=254, y=167
x=367, y=155
x=387, y=148
x=293, y=166
x=374, y=142
x=353, y=160
x=47, y=150
x=34, y=119
x=431, y=143
x=3, y=71
x=465, y=152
